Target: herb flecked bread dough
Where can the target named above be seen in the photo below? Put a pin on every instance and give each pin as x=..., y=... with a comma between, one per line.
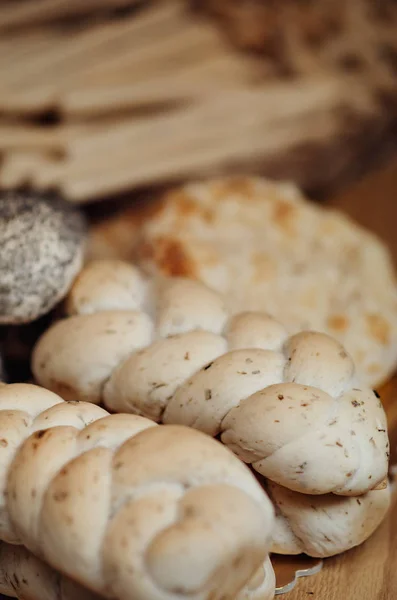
x=127, y=508
x=291, y=407
x=265, y=247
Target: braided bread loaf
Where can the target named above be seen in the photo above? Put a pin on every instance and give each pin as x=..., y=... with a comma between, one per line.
x=129, y=509
x=289, y=406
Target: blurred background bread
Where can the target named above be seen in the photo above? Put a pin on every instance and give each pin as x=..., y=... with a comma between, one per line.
x=107, y=97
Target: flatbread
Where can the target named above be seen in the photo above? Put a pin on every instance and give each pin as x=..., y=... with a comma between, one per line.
x=265, y=247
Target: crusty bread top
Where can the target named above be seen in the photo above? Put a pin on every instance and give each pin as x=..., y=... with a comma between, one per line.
x=264, y=247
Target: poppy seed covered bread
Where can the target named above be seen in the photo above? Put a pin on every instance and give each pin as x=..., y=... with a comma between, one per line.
x=265, y=247
x=42, y=244
x=127, y=508
x=290, y=406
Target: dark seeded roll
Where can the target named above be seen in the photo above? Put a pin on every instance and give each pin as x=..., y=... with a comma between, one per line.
x=41, y=251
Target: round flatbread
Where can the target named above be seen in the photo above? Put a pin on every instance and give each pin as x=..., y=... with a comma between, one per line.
x=265, y=247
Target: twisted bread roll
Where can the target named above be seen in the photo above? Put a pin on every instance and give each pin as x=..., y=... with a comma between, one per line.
x=290, y=407
x=126, y=508
x=322, y=526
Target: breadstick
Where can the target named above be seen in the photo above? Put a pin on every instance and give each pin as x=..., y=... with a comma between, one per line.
x=193, y=82
x=214, y=114
x=73, y=54
x=191, y=147
x=110, y=178
x=19, y=168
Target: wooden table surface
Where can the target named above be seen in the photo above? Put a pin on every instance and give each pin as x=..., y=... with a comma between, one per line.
x=370, y=571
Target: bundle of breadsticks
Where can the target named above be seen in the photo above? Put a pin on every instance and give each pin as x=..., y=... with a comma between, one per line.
x=158, y=93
